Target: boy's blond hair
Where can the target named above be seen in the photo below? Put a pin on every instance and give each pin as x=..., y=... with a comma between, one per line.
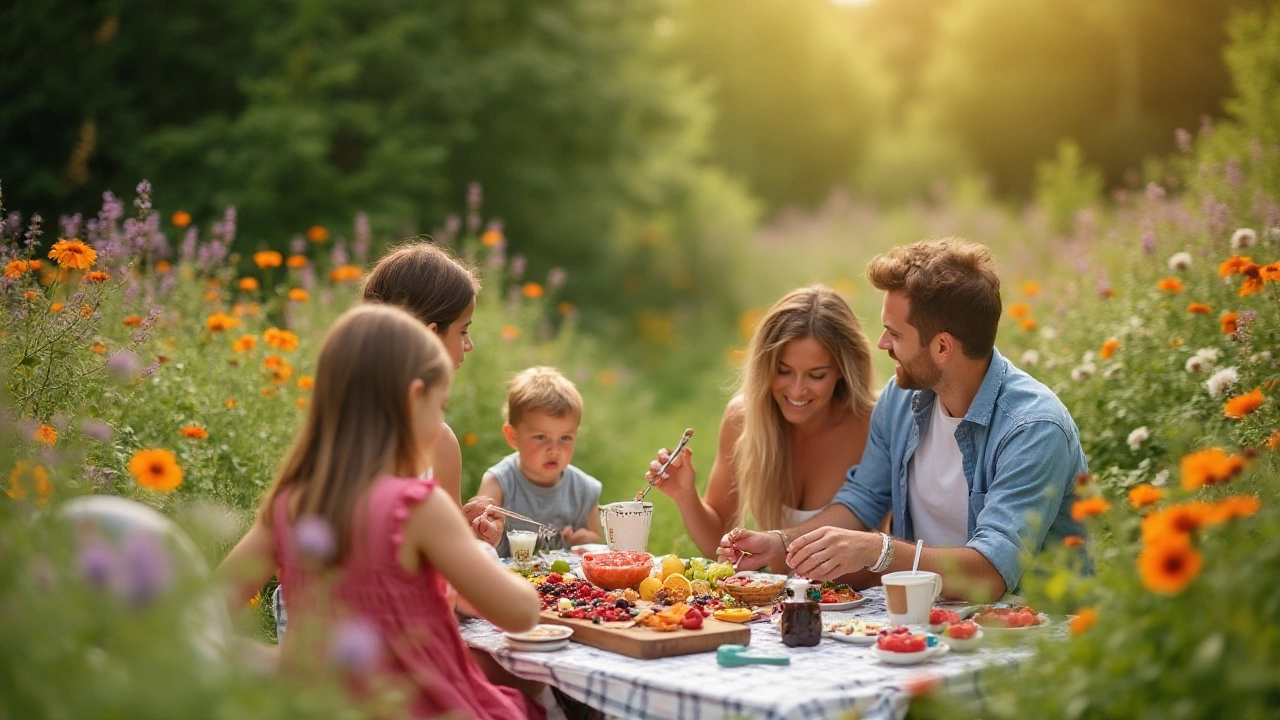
x=542, y=389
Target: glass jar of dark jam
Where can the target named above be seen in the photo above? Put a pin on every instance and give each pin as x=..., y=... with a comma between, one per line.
x=801, y=623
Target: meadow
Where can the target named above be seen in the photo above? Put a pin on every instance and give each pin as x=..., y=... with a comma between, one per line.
x=147, y=357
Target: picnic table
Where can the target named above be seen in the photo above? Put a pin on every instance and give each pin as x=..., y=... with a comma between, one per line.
x=821, y=682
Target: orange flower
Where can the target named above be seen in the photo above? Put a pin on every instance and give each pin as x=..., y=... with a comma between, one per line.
x=15, y=269
x=193, y=431
x=565, y=308
x=46, y=435
x=156, y=469
x=1172, y=285
x=470, y=439
x=250, y=309
x=1089, y=507
x=1252, y=283
x=532, y=290
x=1270, y=272
x=18, y=491
x=306, y=382
x=1073, y=541
x=1085, y=618
x=34, y=264
x=85, y=311
x=220, y=322
x=1241, y=405
x=1236, y=506
x=1234, y=265
x=73, y=254
x=56, y=307
x=299, y=295
x=1028, y=324
x=317, y=234
x=31, y=294
x=163, y=266
x=510, y=332
x=1196, y=308
x=1273, y=442
x=1209, y=467
x=254, y=601
x=1031, y=288
x=296, y=262
x=281, y=339
x=133, y=321
x=245, y=342
x=300, y=403
x=97, y=276
x=181, y=219
x=98, y=348
x=272, y=362
x=248, y=284
x=1108, y=293
x=1228, y=322
x=1019, y=310
x=212, y=295
x=1170, y=565
x=1144, y=494
x=268, y=259
x=491, y=237
x=1109, y=348
x=1183, y=519
x=229, y=403
x=345, y=273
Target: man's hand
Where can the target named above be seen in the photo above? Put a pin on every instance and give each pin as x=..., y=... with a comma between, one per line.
x=829, y=552
x=763, y=546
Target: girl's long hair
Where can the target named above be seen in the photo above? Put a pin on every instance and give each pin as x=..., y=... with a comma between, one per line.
x=359, y=423
x=426, y=280
x=762, y=454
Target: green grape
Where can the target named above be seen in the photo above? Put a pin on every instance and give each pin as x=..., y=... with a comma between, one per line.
x=719, y=571
x=700, y=575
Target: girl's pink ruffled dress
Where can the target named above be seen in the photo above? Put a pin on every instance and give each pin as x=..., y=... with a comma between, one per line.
x=418, y=627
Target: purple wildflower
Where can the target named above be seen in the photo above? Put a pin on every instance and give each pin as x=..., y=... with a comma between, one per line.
x=315, y=539
x=123, y=366
x=297, y=245
x=152, y=368
x=1155, y=193
x=517, y=267
x=338, y=253
x=12, y=223
x=96, y=429
x=1183, y=139
x=307, y=277
x=364, y=238
x=1148, y=242
x=97, y=562
x=33, y=231
x=475, y=195
x=356, y=645
x=71, y=225
x=1235, y=176
x=452, y=225
x=188, y=252
x=143, y=201
x=146, y=570
x=556, y=278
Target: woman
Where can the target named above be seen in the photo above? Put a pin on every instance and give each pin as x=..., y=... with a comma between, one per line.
x=797, y=424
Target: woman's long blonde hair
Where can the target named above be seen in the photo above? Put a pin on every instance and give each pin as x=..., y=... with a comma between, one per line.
x=762, y=455
x=359, y=422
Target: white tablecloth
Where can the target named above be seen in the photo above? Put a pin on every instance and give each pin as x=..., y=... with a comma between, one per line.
x=821, y=682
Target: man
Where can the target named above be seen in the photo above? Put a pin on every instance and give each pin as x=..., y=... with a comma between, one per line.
x=971, y=454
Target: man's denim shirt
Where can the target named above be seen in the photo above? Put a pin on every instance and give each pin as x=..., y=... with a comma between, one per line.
x=1021, y=454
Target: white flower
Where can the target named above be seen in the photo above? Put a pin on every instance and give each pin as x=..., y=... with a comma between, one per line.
x=1135, y=321
x=1180, y=261
x=1243, y=238
x=1083, y=372
x=1114, y=371
x=1221, y=381
x=1195, y=364
x=1031, y=357
x=1161, y=479
x=1209, y=354
x=1087, y=357
x=1274, y=233
x=1137, y=437
x=1048, y=333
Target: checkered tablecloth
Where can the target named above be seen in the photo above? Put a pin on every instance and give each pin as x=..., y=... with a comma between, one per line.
x=821, y=682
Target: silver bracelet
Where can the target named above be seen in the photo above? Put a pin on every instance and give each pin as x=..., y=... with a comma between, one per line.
x=886, y=554
x=782, y=535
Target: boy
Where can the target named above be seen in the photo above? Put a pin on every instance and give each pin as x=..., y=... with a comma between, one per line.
x=537, y=481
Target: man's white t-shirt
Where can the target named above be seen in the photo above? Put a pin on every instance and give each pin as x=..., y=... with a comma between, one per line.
x=937, y=492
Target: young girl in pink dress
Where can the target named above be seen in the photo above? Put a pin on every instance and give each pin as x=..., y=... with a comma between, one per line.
x=364, y=548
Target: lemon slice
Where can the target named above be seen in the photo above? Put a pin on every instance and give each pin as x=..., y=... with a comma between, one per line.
x=678, y=585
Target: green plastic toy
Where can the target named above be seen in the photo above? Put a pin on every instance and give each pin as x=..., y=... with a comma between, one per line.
x=737, y=656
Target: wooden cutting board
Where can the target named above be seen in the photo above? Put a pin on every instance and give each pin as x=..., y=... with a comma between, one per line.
x=647, y=644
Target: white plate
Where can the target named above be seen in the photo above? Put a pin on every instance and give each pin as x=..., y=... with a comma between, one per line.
x=962, y=645
x=1045, y=622
x=897, y=658
x=537, y=647
x=852, y=639
x=541, y=635
x=835, y=607
x=581, y=550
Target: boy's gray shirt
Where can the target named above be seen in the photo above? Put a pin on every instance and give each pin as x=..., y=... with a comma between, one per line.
x=569, y=502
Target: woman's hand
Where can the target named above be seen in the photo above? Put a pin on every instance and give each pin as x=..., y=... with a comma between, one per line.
x=763, y=546
x=485, y=524
x=679, y=481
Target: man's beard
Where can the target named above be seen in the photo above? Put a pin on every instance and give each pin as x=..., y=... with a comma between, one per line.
x=918, y=374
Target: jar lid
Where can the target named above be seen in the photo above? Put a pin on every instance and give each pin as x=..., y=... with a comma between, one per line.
x=797, y=589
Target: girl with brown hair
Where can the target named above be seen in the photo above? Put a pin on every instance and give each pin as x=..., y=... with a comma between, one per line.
x=358, y=539
x=798, y=422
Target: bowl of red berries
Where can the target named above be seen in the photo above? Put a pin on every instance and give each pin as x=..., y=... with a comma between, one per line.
x=940, y=618
x=903, y=646
x=617, y=569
